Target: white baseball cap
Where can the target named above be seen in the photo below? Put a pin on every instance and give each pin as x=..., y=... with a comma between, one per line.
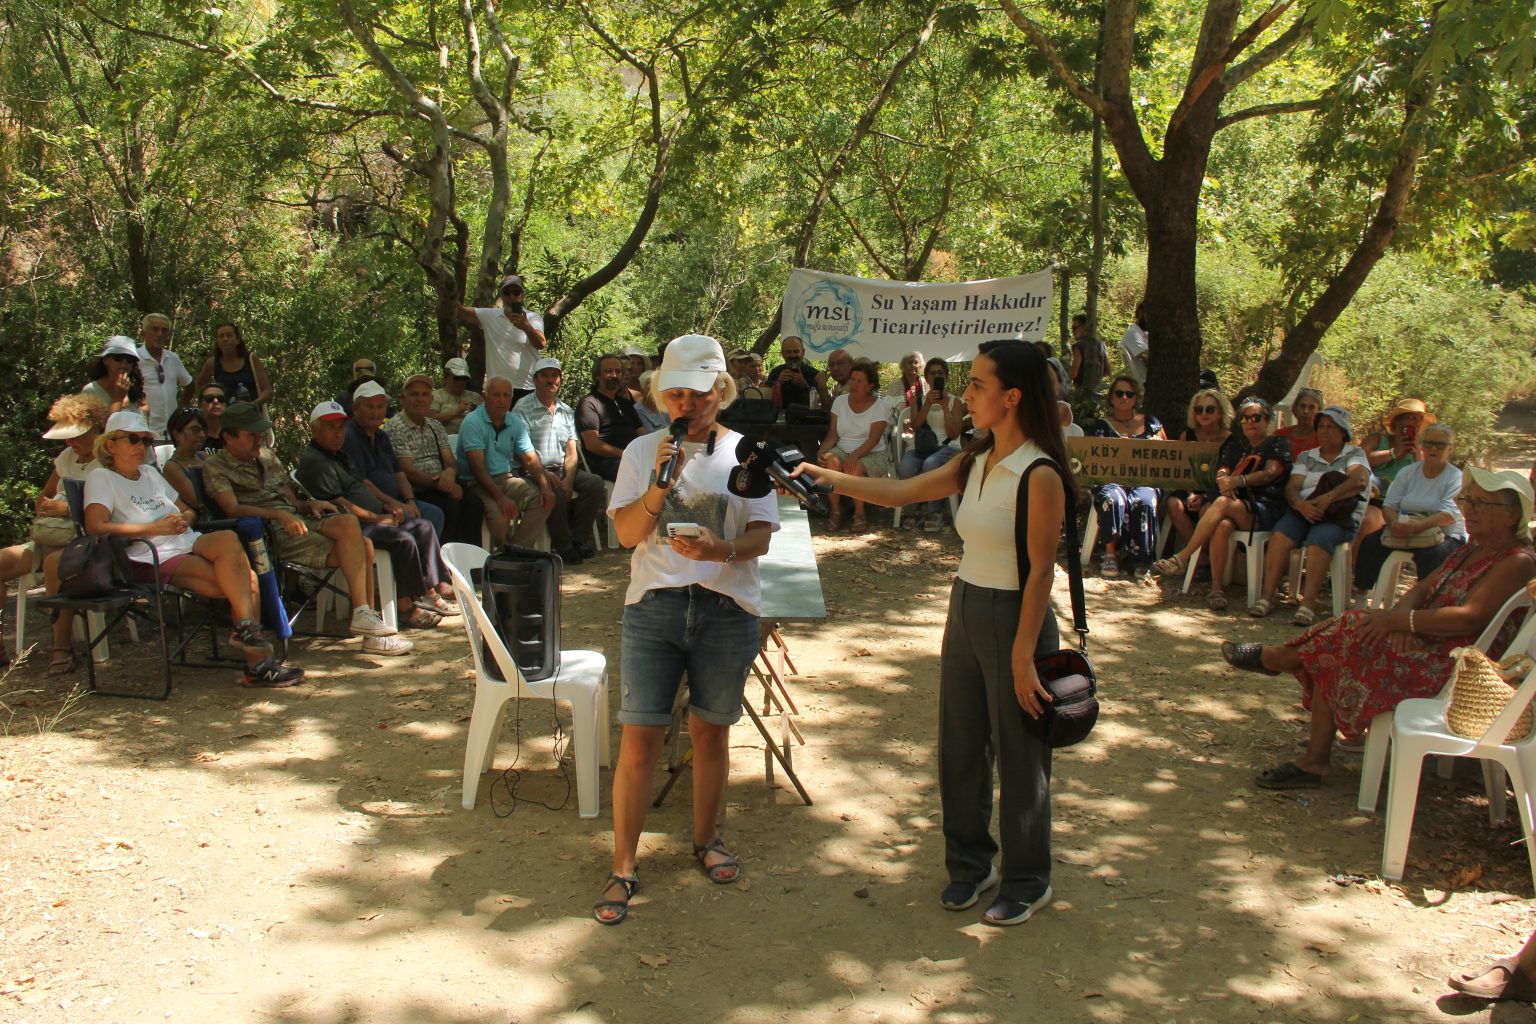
x=328, y=411
x=119, y=345
x=127, y=422
x=547, y=363
x=457, y=368
x=634, y=350
x=694, y=361
x=371, y=389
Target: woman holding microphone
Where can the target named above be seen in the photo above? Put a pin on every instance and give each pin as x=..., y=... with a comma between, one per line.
x=691, y=608
x=991, y=701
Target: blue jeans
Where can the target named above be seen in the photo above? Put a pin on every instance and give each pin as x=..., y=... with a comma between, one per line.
x=912, y=464
x=1323, y=535
x=694, y=630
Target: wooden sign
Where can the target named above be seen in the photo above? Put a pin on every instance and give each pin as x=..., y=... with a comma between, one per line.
x=1167, y=465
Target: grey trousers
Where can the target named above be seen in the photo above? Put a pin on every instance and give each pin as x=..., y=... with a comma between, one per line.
x=981, y=722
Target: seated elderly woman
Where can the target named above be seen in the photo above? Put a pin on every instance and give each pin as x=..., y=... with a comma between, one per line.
x=1127, y=515
x=77, y=421
x=1209, y=419
x=1252, y=470
x=188, y=428
x=943, y=413
x=1302, y=434
x=855, y=441
x=1360, y=664
x=1420, y=511
x=1326, y=493
x=127, y=497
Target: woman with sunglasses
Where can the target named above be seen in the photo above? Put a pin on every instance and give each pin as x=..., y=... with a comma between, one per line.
x=115, y=380
x=234, y=367
x=188, y=428
x=129, y=498
x=211, y=402
x=1127, y=515
x=1251, y=471
x=1420, y=502
x=1209, y=420
x=1301, y=434
x=1362, y=663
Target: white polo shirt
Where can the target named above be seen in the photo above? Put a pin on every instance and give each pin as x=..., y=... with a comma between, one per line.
x=508, y=353
x=162, y=395
x=985, y=519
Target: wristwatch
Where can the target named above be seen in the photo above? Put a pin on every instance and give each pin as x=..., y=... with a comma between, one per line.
x=731, y=555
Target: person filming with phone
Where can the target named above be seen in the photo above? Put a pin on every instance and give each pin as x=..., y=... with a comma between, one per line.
x=691, y=608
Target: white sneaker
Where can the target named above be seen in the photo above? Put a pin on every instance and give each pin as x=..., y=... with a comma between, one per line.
x=366, y=622
x=386, y=646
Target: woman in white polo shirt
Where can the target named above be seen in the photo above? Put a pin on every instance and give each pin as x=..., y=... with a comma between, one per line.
x=691, y=607
x=991, y=701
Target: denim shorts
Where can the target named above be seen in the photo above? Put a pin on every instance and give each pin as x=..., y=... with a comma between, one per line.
x=1323, y=535
x=695, y=631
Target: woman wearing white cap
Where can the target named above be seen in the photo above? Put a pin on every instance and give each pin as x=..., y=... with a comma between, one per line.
x=129, y=498
x=1362, y=663
x=691, y=607
x=115, y=380
x=77, y=421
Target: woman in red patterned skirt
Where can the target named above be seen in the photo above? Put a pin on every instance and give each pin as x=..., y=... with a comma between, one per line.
x=1360, y=664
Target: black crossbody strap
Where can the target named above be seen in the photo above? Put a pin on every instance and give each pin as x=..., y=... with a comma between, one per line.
x=1074, y=555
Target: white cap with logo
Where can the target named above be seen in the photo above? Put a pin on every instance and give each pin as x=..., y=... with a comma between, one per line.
x=694, y=361
x=328, y=411
x=127, y=422
x=456, y=368
x=372, y=389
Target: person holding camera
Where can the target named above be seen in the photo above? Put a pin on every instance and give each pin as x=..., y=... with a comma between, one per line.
x=992, y=703
x=795, y=380
x=691, y=608
x=935, y=419
x=514, y=335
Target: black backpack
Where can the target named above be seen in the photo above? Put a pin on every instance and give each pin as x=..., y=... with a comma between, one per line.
x=521, y=593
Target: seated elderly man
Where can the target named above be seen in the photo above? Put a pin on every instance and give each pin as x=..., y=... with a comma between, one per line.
x=244, y=479
x=453, y=401
x=426, y=460
x=373, y=457
x=492, y=443
x=578, y=494
x=839, y=367
x=326, y=470
x=606, y=418
x=794, y=381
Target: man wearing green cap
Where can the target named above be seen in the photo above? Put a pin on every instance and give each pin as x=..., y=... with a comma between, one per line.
x=245, y=479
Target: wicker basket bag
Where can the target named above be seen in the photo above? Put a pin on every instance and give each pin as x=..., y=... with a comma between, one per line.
x=1478, y=694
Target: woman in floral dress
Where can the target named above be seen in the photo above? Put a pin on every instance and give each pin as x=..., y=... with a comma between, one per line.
x=1360, y=664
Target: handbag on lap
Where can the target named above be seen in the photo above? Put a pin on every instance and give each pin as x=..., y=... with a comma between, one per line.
x=1414, y=542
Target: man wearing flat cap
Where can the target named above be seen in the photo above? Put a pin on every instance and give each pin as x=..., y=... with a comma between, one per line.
x=514, y=336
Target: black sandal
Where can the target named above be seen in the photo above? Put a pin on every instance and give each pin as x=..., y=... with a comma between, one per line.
x=1246, y=656
x=718, y=872
x=631, y=885
x=1287, y=776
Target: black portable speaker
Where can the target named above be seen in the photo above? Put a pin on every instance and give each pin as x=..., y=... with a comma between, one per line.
x=521, y=591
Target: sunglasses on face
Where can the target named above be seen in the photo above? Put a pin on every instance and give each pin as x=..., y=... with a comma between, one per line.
x=1202, y=410
x=137, y=439
x=1434, y=446
x=1254, y=417
x=210, y=399
x=1122, y=393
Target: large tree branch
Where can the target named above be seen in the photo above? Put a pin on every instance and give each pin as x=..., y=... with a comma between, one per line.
x=1272, y=51
x=1217, y=66
x=1266, y=109
x=1054, y=60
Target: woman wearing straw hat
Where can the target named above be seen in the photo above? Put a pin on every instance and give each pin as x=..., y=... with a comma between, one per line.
x=1362, y=663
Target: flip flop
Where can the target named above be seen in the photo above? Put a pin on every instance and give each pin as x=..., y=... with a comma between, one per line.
x=1304, y=616
x=1259, y=609
x=1485, y=983
x=1287, y=776
x=630, y=884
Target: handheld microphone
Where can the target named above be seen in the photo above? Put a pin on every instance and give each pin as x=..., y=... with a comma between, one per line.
x=679, y=431
x=762, y=460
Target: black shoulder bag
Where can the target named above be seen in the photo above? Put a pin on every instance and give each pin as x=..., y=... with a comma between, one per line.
x=1067, y=673
x=89, y=567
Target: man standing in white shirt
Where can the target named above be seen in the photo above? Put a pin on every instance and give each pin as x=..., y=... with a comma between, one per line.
x=1134, y=345
x=514, y=335
x=165, y=376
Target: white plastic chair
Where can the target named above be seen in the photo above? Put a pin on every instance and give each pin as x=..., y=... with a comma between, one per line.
x=602, y=524
x=1253, y=564
x=1340, y=568
x=1378, y=737
x=163, y=453
x=1419, y=729
x=896, y=445
x=1384, y=593
x=582, y=681
x=384, y=572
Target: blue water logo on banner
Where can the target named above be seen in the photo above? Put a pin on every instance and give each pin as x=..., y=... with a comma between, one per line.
x=829, y=317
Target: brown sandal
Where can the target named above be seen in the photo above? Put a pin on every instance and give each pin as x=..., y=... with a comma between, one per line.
x=62, y=661
x=1486, y=983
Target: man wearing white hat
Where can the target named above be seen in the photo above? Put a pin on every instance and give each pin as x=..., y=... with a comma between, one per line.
x=514, y=335
x=166, y=378
x=578, y=494
x=372, y=452
x=453, y=401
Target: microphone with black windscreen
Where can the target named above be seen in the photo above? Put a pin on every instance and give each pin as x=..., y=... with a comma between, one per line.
x=679, y=431
x=762, y=466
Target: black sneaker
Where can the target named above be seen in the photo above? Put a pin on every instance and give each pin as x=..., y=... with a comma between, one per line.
x=268, y=674
x=586, y=551
x=963, y=895
x=570, y=556
x=247, y=636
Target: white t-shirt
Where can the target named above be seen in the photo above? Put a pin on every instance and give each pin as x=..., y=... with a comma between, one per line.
x=70, y=468
x=508, y=352
x=162, y=395
x=144, y=500
x=985, y=519
x=1134, y=344
x=853, y=427
x=699, y=496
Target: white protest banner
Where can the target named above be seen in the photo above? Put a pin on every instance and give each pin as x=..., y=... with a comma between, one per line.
x=884, y=320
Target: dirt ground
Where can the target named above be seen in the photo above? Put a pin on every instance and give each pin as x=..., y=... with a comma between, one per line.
x=301, y=856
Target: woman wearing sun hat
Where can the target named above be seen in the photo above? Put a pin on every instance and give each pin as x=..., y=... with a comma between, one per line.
x=691, y=608
x=1362, y=663
x=1390, y=450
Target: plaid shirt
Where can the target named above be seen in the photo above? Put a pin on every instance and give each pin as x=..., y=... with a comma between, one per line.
x=423, y=445
x=258, y=483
